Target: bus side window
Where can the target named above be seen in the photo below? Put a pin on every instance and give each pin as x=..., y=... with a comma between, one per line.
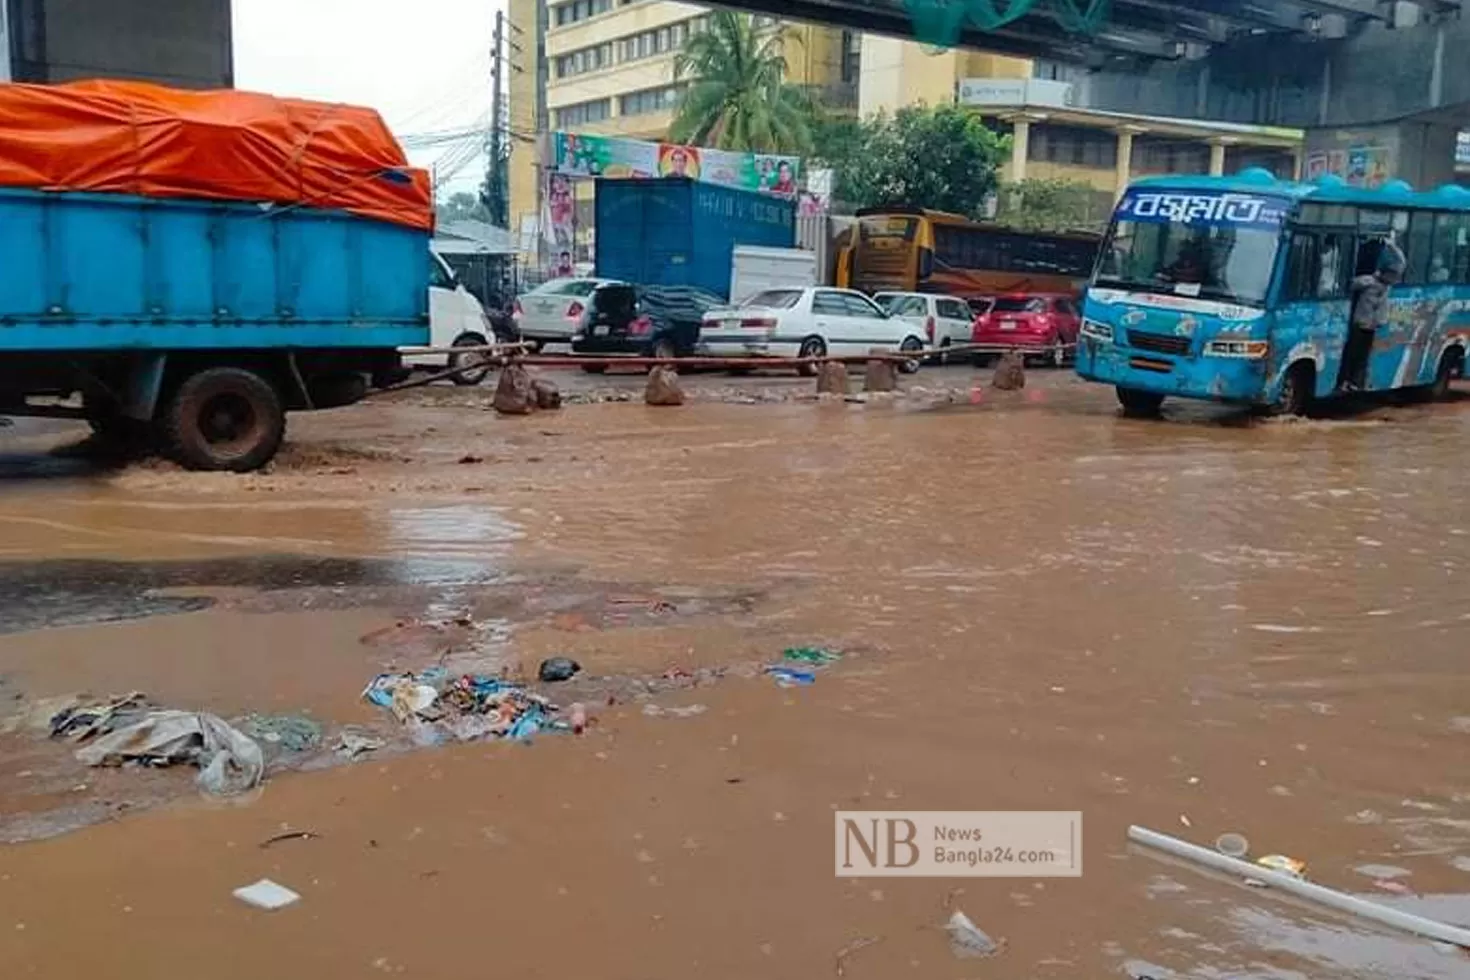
x=1303, y=271
x=1450, y=256
x=1332, y=252
x=1418, y=244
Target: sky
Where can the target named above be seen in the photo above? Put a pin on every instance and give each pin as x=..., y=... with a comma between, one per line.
x=423, y=64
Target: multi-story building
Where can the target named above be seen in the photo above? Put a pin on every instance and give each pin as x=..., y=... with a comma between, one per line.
x=1039, y=104
x=607, y=66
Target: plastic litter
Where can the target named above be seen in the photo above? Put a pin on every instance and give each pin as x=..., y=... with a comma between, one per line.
x=1284, y=864
x=81, y=722
x=966, y=940
x=1232, y=845
x=294, y=733
x=266, y=894
x=229, y=761
x=811, y=655
x=353, y=744
x=789, y=677
x=555, y=669
x=436, y=707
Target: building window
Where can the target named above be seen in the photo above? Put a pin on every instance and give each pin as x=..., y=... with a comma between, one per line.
x=1074, y=145
x=1160, y=156
x=576, y=10
x=583, y=112
x=660, y=40
x=852, y=56
x=588, y=59
x=650, y=101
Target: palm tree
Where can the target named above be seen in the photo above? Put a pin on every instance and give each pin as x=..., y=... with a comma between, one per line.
x=737, y=97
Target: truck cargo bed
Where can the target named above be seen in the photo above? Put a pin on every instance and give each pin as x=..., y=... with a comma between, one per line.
x=101, y=272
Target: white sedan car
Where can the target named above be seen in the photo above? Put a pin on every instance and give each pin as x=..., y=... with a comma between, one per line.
x=552, y=312
x=810, y=322
x=945, y=320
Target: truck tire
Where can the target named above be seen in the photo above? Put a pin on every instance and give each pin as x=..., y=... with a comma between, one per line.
x=223, y=418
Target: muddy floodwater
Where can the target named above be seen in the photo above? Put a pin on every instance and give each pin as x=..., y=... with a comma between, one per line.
x=1200, y=625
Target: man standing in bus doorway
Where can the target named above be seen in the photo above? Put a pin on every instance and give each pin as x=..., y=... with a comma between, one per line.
x=1369, y=311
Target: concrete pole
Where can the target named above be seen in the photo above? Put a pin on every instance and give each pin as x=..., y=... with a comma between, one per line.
x=1020, y=147
x=1125, y=162
x=1217, y=158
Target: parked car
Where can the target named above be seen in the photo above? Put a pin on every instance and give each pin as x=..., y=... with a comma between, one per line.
x=810, y=322
x=980, y=305
x=456, y=319
x=1041, y=325
x=552, y=312
x=945, y=320
x=647, y=321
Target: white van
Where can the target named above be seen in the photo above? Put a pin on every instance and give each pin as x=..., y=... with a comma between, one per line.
x=456, y=319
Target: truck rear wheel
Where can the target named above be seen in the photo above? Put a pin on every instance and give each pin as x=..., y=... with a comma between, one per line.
x=223, y=418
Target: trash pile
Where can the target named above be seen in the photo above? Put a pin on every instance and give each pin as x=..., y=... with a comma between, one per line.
x=128, y=731
x=815, y=659
x=437, y=707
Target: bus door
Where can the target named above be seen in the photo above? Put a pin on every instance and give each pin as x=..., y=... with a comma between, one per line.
x=1316, y=302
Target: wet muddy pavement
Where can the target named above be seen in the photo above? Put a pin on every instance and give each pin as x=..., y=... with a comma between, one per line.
x=1198, y=625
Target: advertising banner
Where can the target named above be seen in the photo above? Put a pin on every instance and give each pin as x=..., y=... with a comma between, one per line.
x=580, y=155
x=559, y=221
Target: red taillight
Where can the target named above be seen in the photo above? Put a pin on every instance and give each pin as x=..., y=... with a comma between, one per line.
x=640, y=326
x=574, y=312
x=758, y=323
x=929, y=328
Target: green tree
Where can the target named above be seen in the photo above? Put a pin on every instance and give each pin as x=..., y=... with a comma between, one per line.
x=1040, y=204
x=737, y=96
x=940, y=157
x=461, y=206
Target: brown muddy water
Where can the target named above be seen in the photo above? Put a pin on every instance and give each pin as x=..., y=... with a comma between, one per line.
x=1198, y=625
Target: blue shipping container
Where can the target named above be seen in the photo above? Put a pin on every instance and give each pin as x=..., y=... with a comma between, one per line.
x=680, y=232
x=99, y=272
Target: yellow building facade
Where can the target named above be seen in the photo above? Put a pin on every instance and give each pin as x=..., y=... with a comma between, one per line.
x=1051, y=137
x=608, y=68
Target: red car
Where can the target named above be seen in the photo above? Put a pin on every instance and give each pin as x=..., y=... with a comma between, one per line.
x=1041, y=325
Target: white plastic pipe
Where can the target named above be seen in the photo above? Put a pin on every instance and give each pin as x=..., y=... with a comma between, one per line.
x=1301, y=888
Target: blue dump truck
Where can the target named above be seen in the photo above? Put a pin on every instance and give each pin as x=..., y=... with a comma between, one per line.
x=680, y=232
x=164, y=284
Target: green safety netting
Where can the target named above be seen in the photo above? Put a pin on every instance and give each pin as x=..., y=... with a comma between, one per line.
x=940, y=21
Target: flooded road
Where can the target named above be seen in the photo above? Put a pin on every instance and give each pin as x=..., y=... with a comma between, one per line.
x=1200, y=625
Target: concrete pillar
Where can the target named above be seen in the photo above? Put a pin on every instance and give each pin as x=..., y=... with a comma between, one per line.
x=1125, y=161
x=1217, y=158
x=1297, y=173
x=1020, y=147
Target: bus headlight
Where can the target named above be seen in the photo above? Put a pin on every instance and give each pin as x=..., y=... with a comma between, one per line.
x=1096, y=330
x=1250, y=349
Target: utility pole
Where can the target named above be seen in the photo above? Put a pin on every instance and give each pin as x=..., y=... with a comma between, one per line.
x=495, y=192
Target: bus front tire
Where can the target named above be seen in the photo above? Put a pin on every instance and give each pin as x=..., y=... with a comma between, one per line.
x=1294, y=396
x=1140, y=404
x=223, y=418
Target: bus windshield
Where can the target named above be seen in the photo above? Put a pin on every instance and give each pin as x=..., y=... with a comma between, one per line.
x=1209, y=244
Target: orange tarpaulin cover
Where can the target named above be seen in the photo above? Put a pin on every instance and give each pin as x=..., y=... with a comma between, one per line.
x=135, y=138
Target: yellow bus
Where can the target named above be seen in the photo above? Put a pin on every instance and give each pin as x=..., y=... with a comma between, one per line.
x=915, y=250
